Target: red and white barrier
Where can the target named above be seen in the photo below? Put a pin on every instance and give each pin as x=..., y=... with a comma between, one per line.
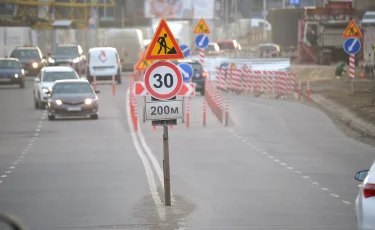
x=133, y=106
x=271, y=83
x=299, y=89
x=308, y=91
x=352, y=66
x=187, y=115
x=187, y=89
x=94, y=81
x=204, y=112
x=113, y=85
x=201, y=56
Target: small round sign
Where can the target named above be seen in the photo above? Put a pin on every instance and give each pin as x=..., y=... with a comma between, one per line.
x=163, y=80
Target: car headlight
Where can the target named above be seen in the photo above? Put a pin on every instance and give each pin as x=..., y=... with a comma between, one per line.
x=35, y=65
x=76, y=60
x=58, y=102
x=51, y=60
x=16, y=75
x=88, y=101
x=45, y=89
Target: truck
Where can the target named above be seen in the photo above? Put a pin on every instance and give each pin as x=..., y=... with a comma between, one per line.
x=314, y=33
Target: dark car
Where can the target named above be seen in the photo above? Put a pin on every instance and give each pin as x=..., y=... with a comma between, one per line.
x=69, y=55
x=31, y=59
x=11, y=72
x=269, y=50
x=199, y=76
x=73, y=98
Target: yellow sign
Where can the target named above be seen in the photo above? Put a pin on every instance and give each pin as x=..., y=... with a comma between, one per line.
x=352, y=31
x=143, y=64
x=202, y=27
x=163, y=45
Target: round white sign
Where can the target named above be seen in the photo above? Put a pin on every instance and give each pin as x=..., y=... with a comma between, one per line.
x=163, y=80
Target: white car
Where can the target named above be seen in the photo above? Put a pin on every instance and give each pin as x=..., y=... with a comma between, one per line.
x=46, y=78
x=365, y=202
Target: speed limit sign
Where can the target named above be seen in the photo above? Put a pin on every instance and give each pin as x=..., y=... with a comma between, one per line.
x=163, y=80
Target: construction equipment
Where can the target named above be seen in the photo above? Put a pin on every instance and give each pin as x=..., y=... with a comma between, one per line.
x=42, y=13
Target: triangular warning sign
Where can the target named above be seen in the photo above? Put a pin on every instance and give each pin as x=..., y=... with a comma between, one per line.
x=143, y=64
x=202, y=27
x=163, y=45
x=352, y=31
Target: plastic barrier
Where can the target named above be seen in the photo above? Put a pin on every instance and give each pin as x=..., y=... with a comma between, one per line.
x=133, y=106
x=214, y=100
x=270, y=83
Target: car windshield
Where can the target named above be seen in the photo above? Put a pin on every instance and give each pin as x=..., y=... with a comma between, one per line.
x=197, y=67
x=72, y=88
x=268, y=48
x=71, y=51
x=54, y=76
x=23, y=54
x=211, y=48
x=9, y=64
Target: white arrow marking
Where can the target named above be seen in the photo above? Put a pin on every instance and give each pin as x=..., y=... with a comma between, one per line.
x=186, y=75
x=202, y=40
x=190, y=89
x=351, y=47
x=185, y=50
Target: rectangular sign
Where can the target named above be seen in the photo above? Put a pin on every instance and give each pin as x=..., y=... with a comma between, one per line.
x=164, y=110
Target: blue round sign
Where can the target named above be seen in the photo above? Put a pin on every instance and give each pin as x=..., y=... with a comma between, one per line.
x=352, y=45
x=201, y=41
x=185, y=50
x=186, y=71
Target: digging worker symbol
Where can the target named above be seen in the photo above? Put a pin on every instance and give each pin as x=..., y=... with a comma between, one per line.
x=163, y=45
x=202, y=28
x=352, y=32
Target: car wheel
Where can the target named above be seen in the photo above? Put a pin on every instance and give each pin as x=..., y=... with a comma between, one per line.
x=51, y=117
x=94, y=117
x=22, y=84
x=36, y=104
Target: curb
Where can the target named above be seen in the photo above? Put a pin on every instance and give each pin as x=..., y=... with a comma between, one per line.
x=351, y=123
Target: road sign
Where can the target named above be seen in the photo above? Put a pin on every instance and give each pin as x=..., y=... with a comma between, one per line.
x=164, y=110
x=202, y=27
x=352, y=45
x=187, y=89
x=163, y=45
x=163, y=80
x=201, y=41
x=185, y=50
x=352, y=31
x=186, y=70
x=143, y=64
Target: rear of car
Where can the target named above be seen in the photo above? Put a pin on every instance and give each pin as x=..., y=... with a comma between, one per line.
x=365, y=202
x=103, y=63
x=199, y=76
x=68, y=55
x=11, y=72
x=73, y=98
x=31, y=59
x=269, y=50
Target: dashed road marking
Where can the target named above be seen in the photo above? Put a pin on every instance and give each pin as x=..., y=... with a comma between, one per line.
x=290, y=168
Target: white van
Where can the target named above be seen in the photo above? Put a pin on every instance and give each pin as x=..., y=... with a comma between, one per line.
x=103, y=63
x=129, y=44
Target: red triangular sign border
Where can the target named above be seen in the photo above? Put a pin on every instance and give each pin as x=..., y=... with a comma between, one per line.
x=197, y=26
x=352, y=23
x=177, y=56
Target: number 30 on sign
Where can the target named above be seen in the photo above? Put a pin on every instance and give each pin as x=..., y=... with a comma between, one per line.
x=163, y=80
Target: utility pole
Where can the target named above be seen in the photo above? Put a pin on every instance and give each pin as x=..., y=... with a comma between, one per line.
x=123, y=13
x=265, y=9
x=226, y=17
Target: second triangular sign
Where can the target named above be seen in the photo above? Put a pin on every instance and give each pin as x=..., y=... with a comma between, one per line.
x=163, y=45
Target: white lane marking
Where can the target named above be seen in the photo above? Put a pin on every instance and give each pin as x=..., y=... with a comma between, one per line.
x=258, y=149
x=244, y=140
x=298, y=172
x=334, y=195
x=3, y=176
x=37, y=130
x=12, y=167
x=36, y=134
x=8, y=172
x=32, y=140
x=231, y=130
x=149, y=173
x=346, y=202
x=1, y=181
x=16, y=163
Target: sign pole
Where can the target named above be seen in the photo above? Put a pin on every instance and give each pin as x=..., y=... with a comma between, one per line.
x=166, y=169
x=352, y=71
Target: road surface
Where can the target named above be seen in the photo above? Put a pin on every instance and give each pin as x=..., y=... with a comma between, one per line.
x=281, y=166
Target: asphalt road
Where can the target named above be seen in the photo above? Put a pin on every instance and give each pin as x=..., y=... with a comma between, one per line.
x=281, y=166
